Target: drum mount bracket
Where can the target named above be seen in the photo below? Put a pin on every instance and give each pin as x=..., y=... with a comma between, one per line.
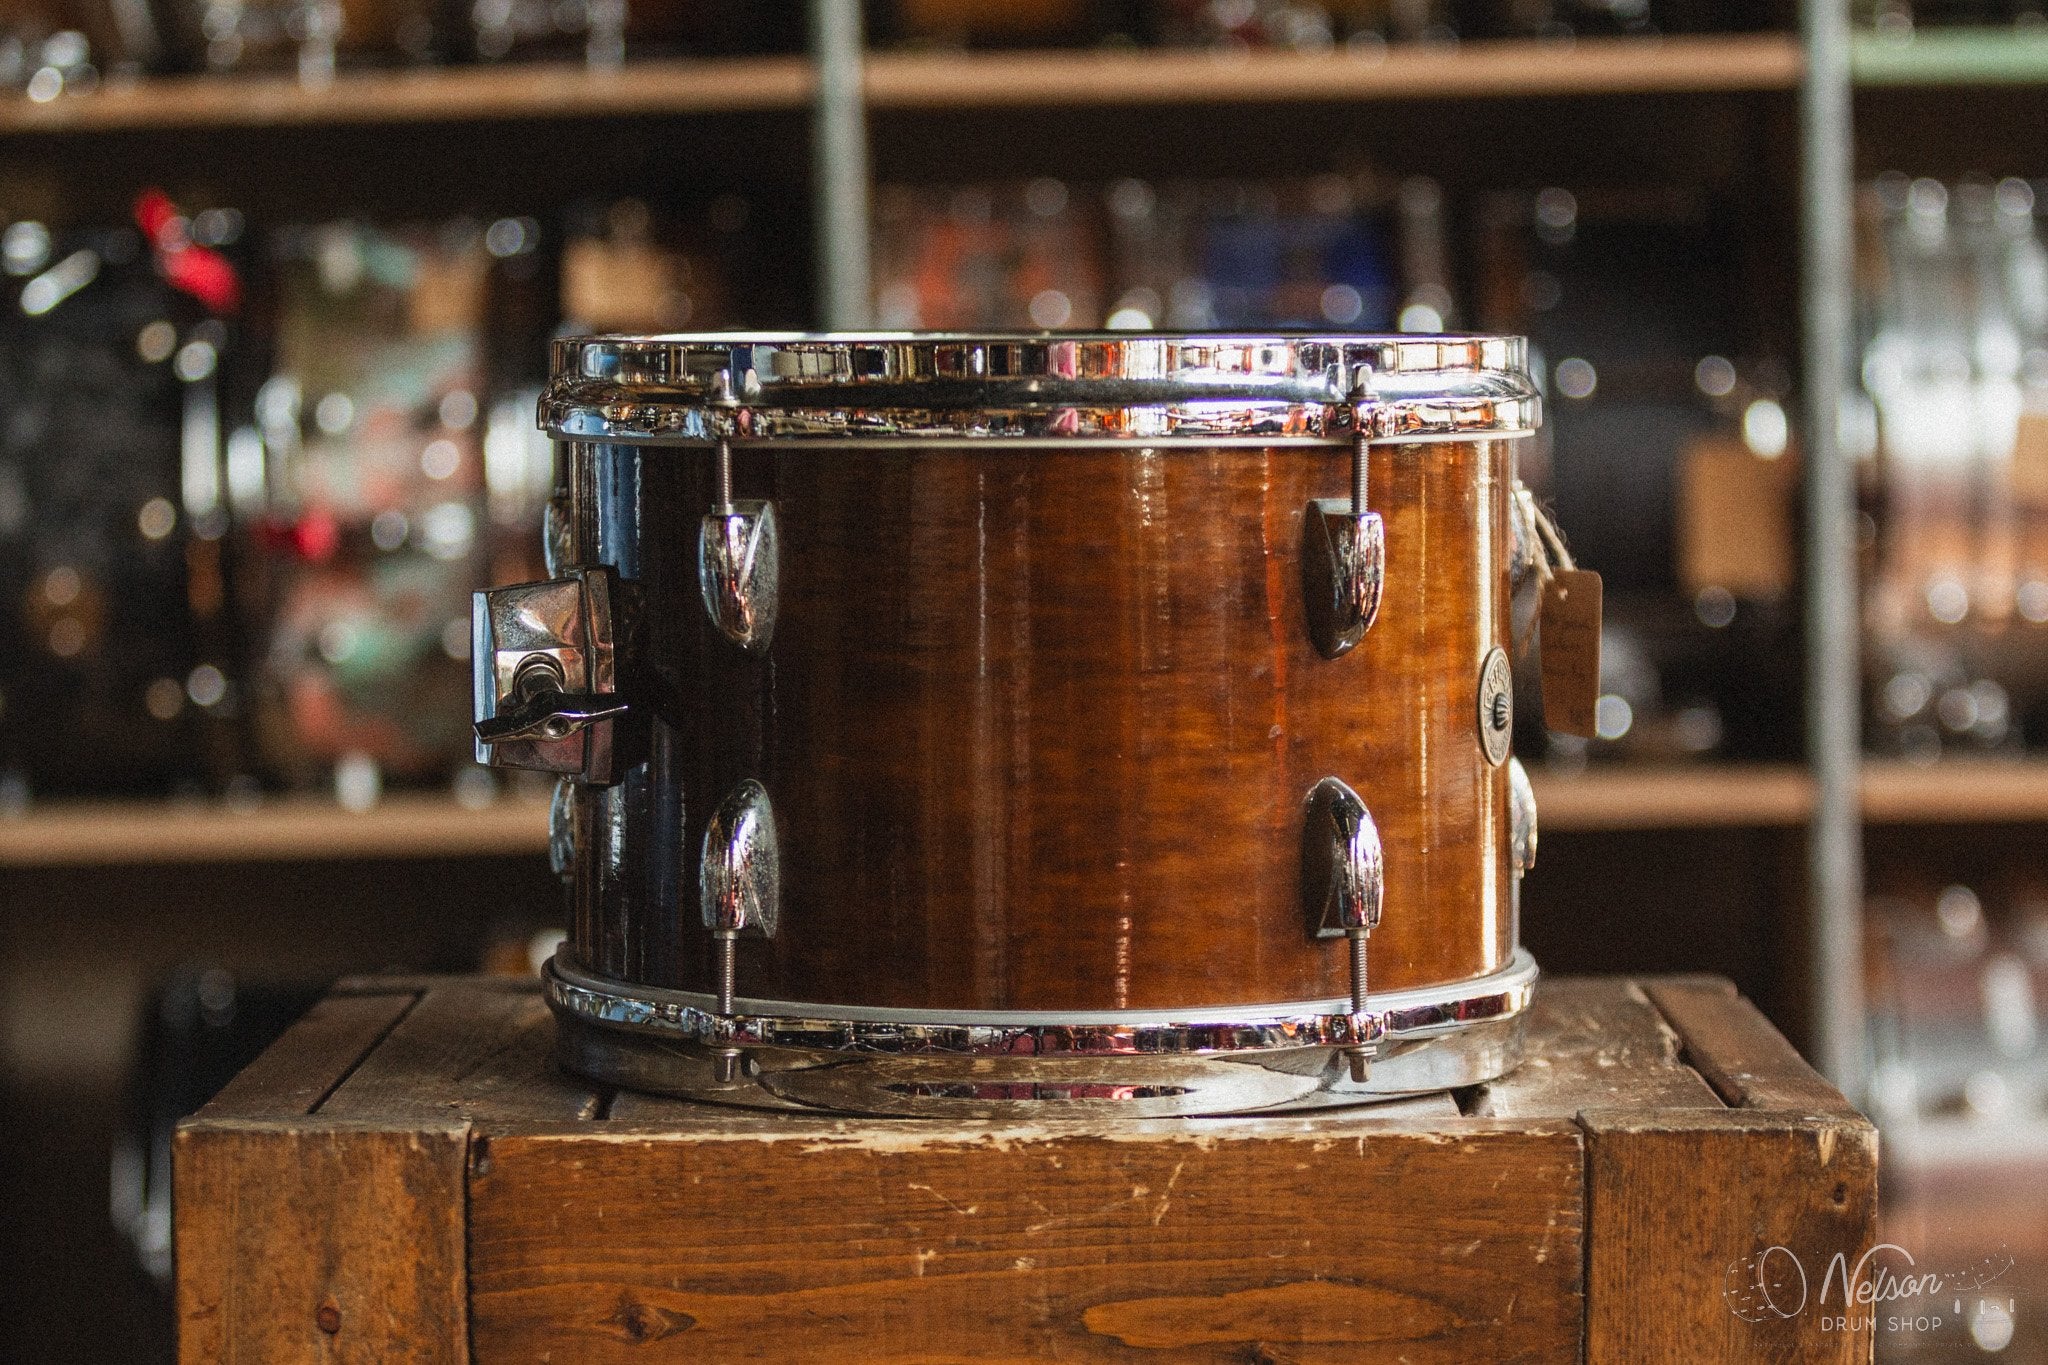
x=544, y=662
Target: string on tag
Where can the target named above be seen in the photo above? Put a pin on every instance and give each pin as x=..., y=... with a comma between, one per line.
x=1552, y=539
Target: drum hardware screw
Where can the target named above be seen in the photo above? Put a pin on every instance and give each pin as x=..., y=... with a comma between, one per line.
x=1361, y=437
x=726, y=1062
x=1343, y=880
x=1358, y=1055
x=739, y=888
x=722, y=472
x=1344, y=549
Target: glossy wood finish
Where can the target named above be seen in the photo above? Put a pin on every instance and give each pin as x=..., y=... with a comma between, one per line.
x=1038, y=723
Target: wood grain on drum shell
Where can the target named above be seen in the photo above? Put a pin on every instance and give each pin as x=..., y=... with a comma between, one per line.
x=1038, y=724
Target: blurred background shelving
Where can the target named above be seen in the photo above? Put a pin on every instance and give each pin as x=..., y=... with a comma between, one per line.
x=930, y=81
x=302, y=828
x=439, y=192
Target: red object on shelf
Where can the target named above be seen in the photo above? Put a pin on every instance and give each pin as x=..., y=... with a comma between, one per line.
x=203, y=273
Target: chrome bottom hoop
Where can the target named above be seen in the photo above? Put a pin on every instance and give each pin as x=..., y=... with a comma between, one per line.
x=1433, y=1040
x=692, y=1016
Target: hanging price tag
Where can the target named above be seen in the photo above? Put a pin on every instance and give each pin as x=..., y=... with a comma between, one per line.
x=1568, y=636
x=2030, y=460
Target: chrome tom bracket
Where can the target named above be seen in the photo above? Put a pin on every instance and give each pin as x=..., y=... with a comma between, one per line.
x=1343, y=882
x=544, y=667
x=1344, y=545
x=738, y=557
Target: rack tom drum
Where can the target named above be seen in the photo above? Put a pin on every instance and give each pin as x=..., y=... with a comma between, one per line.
x=988, y=725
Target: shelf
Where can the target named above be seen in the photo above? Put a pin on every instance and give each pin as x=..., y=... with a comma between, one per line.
x=1955, y=791
x=308, y=829
x=296, y=829
x=1706, y=796
x=1952, y=792
x=1699, y=797
x=1590, y=66
x=1956, y=56
x=442, y=94
x=929, y=81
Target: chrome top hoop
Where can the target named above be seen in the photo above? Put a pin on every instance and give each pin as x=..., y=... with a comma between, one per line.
x=824, y=389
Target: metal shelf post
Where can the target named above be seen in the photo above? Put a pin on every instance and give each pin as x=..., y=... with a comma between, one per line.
x=839, y=165
x=1833, y=667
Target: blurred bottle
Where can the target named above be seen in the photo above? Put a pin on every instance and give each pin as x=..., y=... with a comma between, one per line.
x=313, y=38
x=43, y=57
x=1015, y=23
x=1957, y=989
x=116, y=644
x=364, y=483
x=986, y=256
x=1312, y=25
x=623, y=272
x=1325, y=251
x=1953, y=423
x=1666, y=452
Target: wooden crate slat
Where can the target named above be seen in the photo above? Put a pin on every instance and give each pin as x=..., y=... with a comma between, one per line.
x=344, y=1246
x=1594, y=1044
x=313, y=1056
x=912, y=1243
x=1681, y=1213
x=1600, y=1204
x=480, y=1054
x=1748, y=1062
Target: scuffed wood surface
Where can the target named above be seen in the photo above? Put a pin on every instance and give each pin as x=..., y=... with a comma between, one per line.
x=486, y=1055
x=335, y=1035
x=904, y=1243
x=325, y=1244
x=409, y=1160
x=1682, y=1211
x=1595, y=1043
x=1748, y=1062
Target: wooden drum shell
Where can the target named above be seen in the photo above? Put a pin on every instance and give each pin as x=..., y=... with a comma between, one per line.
x=1039, y=720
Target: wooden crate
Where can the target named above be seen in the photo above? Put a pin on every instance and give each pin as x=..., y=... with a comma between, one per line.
x=405, y=1176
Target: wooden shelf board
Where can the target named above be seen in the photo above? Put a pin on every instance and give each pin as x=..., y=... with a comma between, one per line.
x=446, y=94
x=1679, y=797
x=1955, y=791
x=929, y=81
x=296, y=829
x=1703, y=796
x=1590, y=66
